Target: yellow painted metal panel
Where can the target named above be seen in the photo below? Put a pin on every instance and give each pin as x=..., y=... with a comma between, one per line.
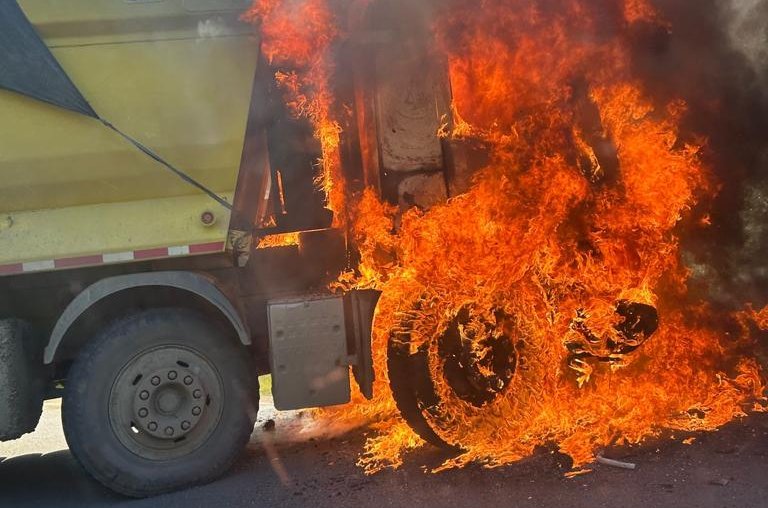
x=85, y=22
x=109, y=228
x=176, y=75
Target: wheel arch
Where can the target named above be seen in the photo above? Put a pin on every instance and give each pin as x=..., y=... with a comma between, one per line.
x=173, y=288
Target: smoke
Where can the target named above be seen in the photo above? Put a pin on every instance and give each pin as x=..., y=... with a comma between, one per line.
x=714, y=55
x=711, y=53
x=748, y=29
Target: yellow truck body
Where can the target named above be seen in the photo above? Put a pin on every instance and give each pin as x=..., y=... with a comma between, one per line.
x=174, y=74
x=128, y=131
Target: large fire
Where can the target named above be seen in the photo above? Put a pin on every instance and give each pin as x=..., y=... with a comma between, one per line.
x=300, y=35
x=548, y=303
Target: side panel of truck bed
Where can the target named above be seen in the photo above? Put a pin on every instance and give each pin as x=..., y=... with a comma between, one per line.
x=177, y=76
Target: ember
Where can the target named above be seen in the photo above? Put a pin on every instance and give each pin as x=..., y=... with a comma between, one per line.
x=548, y=302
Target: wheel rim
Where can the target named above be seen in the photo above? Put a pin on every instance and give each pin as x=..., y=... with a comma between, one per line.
x=471, y=364
x=166, y=402
x=476, y=378
x=479, y=359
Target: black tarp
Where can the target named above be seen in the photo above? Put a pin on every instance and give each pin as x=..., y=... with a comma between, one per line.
x=28, y=67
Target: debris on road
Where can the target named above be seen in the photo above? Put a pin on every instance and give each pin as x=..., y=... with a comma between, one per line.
x=615, y=463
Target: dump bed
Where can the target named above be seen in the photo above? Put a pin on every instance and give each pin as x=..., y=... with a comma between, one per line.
x=174, y=74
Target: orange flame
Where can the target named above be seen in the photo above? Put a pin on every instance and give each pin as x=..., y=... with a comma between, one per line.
x=545, y=243
x=761, y=318
x=299, y=36
x=280, y=240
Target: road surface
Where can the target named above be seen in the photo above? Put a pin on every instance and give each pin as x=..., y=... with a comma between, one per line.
x=728, y=468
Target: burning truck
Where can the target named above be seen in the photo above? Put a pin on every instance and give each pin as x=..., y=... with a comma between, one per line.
x=189, y=202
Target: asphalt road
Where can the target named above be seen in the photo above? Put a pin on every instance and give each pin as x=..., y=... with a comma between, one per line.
x=728, y=468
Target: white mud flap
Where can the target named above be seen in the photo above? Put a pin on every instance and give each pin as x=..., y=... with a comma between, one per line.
x=313, y=342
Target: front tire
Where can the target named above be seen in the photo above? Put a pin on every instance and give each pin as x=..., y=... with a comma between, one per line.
x=449, y=366
x=159, y=400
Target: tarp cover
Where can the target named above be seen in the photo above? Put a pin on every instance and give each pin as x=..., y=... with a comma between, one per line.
x=28, y=67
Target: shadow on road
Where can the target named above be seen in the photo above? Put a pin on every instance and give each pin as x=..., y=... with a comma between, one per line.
x=53, y=479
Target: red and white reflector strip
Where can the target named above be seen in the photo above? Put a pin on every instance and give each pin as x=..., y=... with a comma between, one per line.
x=112, y=258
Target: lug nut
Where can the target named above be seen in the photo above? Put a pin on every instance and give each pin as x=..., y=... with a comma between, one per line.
x=144, y=395
x=188, y=380
x=143, y=412
x=152, y=426
x=197, y=393
x=185, y=425
x=196, y=410
x=169, y=431
x=172, y=375
x=155, y=380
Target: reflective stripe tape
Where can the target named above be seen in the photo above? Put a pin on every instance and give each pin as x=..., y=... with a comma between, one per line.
x=111, y=258
x=78, y=261
x=181, y=250
x=161, y=252
x=206, y=248
x=39, y=266
x=11, y=269
x=118, y=257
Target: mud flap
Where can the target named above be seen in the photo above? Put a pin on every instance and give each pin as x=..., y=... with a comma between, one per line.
x=360, y=307
x=21, y=379
x=313, y=342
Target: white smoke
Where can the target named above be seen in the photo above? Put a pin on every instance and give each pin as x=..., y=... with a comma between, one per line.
x=212, y=27
x=749, y=31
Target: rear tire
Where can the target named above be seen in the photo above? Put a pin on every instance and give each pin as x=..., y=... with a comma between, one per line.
x=159, y=400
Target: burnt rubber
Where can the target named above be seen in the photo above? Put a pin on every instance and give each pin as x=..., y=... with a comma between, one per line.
x=153, y=464
x=478, y=381
x=413, y=390
x=475, y=379
x=638, y=323
x=411, y=384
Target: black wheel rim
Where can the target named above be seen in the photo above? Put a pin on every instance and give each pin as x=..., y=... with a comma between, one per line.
x=166, y=402
x=477, y=380
x=479, y=361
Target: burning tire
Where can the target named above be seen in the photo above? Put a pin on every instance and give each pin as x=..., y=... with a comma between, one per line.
x=159, y=400
x=452, y=377
x=473, y=357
